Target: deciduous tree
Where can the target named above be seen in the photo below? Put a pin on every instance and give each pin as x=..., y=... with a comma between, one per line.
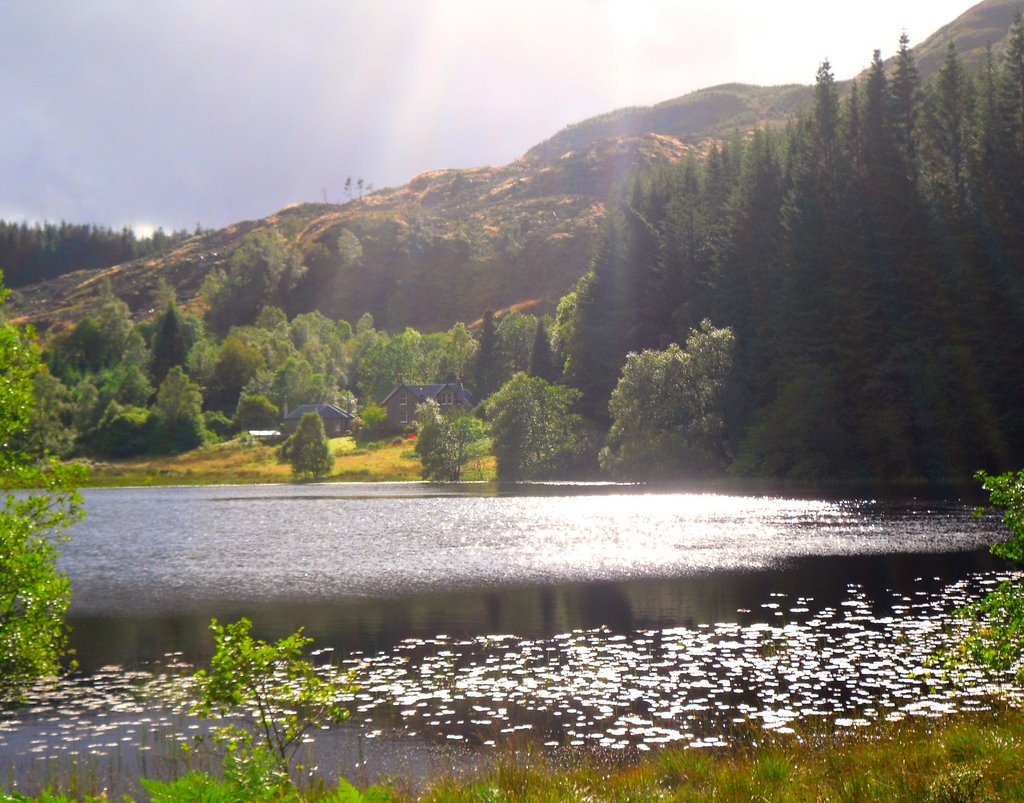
x=446, y=441
x=668, y=408
x=179, y=405
x=34, y=595
x=256, y=412
x=535, y=434
x=272, y=688
x=995, y=640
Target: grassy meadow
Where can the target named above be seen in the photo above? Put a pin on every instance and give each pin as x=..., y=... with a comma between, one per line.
x=241, y=461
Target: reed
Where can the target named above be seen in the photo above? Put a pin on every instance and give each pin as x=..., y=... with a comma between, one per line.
x=967, y=758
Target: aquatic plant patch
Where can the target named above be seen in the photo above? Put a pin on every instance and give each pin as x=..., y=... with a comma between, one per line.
x=790, y=666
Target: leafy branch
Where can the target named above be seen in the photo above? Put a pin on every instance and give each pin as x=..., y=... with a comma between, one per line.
x=275, y=693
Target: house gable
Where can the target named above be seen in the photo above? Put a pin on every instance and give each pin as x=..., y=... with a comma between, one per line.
x=400, y=404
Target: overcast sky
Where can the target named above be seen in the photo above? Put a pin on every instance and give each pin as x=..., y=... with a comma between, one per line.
x=180, y=112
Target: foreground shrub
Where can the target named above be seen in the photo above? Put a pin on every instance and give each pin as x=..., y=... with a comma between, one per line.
x=277, y=695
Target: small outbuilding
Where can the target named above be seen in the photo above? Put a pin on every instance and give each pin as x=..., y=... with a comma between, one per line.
x=336, y=421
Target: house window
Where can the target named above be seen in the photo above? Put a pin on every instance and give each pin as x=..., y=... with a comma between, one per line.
x=405, y=416
x=447, y=398
x=402, y=400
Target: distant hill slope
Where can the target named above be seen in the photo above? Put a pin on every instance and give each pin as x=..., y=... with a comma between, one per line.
x=441, y=249
x=718, y=111
x=453, y=243
x=973, y=32
x=713, y=112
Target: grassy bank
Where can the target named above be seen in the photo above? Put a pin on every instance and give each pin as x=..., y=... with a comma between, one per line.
x=968, y=758
x=239, y=461
x=965, y=759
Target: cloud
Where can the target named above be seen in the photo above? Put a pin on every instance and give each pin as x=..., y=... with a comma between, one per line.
x=205, y=112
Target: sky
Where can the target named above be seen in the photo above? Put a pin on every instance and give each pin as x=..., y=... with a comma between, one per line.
x=184, y=112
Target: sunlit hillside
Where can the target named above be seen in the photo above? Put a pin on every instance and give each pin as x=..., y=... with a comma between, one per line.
x=452, y=243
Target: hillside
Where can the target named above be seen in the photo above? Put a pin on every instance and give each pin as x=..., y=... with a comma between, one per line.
x=973, y=32
x=443, y=248
x=719, y=111
x=453, y=243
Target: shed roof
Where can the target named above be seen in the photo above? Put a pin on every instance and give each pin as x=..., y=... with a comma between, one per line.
x=326, y=411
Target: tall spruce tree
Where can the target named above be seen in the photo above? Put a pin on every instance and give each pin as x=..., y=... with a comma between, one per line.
x=542, y=359
x=485, y=369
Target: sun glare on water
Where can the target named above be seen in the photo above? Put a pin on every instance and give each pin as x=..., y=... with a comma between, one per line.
x=632, y=535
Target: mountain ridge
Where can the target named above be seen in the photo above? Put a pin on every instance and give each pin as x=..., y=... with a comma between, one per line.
x=453, y=242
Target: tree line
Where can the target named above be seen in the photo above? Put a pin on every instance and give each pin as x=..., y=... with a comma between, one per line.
x=832, y=299
x=869, y=261
x=113, y=386
x=44, y=251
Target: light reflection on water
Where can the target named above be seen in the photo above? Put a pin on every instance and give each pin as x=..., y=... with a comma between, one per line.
x=569, y=616
x=171, y=550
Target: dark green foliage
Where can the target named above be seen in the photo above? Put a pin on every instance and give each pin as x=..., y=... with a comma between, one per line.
x=126, y=384
x=173, y=337
x=264, y=269
x=49, y=428
x=179, y=435
x=516, y=339
x=126, y=431
x=542, y=358
x=42, y=251
x=77, y=352
x=236, y=364
x=486, y=368
x=174, y=424
x=668, y=409
x=178, y=409
x=256, y=412
x=868, y=260
x=214, y=421
x=309, y=451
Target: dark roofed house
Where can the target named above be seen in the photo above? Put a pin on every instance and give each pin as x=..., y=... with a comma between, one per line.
x=336, y=421
x=401, y=402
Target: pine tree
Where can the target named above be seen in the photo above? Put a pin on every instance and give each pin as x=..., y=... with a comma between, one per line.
x=906, y=90
x=1011, y=86
x=542, y=360
x=826, y=129
x=485, y=372
x=173, y=338
x=948, y=133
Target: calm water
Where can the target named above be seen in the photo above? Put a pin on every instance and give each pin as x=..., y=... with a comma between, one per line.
x=568, y=615
x=368, y=565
